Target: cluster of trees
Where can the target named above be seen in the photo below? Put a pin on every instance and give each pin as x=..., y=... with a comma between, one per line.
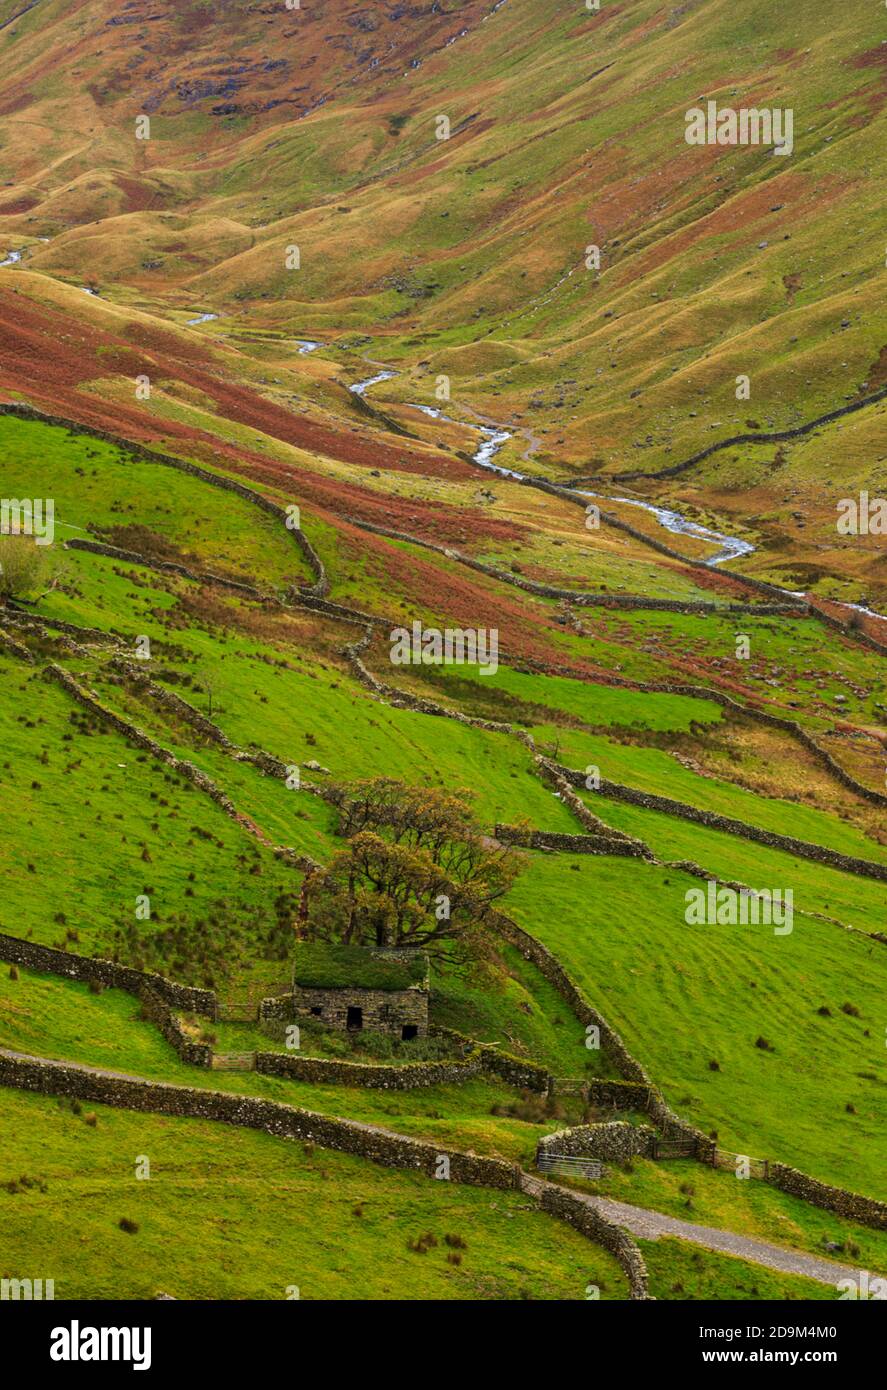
x=417, y=871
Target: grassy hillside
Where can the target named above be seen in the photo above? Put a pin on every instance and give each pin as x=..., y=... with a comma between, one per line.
x=685, y=997
x=250, y=1217
x=394, y=267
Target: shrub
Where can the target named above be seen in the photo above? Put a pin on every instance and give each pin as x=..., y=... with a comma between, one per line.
x=25, y=567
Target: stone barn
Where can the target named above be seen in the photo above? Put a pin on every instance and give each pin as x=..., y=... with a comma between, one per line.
x=355, y=989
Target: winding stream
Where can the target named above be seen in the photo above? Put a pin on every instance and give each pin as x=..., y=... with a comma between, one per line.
x=360, y=387
x=496, y=437
x=732, y=547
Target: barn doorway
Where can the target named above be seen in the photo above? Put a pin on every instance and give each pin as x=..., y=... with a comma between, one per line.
x=354, y=1021
x=408, y=1032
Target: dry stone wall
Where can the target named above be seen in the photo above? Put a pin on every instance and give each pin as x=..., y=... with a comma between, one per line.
x=619, y=1095
x=774, y=437
x=158, y=1012
x=345, y=1136
x=273, y=1117
x=377, y=1077
x=613, y=1142
x=514, y=1071
x=851, y=1205
x=774, y=721
x=570, y=1207
x=46, y=960
x=193, y=774
x=804, y=850
x=566, y=844
x=132, y=557
x=580, y=598
x=169, y=700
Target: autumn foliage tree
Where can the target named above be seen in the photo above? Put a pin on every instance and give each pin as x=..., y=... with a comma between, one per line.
x=417, y=871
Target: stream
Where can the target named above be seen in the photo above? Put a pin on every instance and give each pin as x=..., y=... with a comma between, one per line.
x=360, y=387
x=732, y=547
x=496, y=437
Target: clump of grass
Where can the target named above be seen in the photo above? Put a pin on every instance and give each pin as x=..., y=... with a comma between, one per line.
x=13, y=972
x=25, y=1184
x=455, y=1242
x=130, y=1227
x=531, y=1108
x=422, y=1244
x=850, y=1009
x=764, y=1045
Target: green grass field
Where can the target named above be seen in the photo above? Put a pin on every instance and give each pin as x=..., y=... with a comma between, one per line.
x=235, y=1214
x=685, y=996
x=681, y=1271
